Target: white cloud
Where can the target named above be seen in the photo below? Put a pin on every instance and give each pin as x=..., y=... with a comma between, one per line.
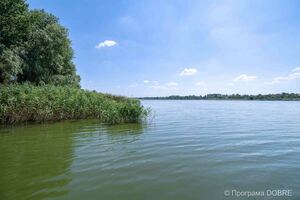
x=201, y=84
x=292, y=76
x=297, y=69
x=146, y=81
x=172, y=84
x=188, y=72
x=106, y=43
x=244, y=77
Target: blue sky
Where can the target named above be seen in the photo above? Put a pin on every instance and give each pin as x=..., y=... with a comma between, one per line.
x=158, y=48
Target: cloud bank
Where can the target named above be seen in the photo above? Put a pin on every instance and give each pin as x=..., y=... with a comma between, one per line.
x=294, y=75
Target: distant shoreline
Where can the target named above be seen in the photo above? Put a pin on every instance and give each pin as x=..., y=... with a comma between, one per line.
x=259, y=97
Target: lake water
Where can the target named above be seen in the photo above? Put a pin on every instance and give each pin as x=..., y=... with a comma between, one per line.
x=189, y=150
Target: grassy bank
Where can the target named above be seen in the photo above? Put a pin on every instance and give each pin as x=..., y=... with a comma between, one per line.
x=28, y=103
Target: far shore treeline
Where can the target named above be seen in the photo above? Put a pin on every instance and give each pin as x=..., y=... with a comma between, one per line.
x=38, y=79
x=259, y=97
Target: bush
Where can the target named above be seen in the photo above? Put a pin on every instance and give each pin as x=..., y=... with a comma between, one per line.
x=29, y=103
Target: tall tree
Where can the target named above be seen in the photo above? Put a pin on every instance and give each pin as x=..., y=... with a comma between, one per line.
x=14, y=29
x=14, y=22
x=49, y=53
x=37, y=50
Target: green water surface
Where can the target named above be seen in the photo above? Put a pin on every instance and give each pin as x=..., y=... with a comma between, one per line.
x=186, y=150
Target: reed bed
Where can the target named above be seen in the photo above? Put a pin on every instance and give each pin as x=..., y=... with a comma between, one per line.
x=30, y=103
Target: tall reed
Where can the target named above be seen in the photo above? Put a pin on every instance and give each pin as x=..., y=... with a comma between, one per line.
x=29, y=103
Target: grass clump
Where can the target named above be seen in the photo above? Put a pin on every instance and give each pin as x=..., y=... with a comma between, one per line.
x=29, y=103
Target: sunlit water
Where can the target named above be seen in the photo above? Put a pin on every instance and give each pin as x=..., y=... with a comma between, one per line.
x=188, y=150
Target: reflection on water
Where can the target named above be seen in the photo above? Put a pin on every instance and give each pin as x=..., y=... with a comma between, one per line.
x=36, y=159
x=124, y=129
x=125, y=133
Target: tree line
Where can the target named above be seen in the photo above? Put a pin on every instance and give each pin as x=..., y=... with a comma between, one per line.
x=267, y=97
x=34, y=47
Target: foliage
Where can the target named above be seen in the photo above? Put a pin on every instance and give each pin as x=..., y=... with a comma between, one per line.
x=10, y=64
x=14, y=22
x=34, y=47
x=268, y=97
x=28, y=103
x=36, y=52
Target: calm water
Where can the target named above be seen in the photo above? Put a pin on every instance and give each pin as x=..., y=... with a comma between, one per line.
x=189, y=150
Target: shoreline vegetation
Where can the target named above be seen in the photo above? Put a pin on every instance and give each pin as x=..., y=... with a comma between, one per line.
x=259, y=97
x=29, y=103
x=38, y=79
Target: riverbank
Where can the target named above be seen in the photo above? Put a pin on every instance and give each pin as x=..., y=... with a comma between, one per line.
x=21, y=103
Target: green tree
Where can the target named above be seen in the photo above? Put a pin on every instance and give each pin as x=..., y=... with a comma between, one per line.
x=14, y=29
x=10, y=63
x=34, y=47
x=49, y=53
x=14, y=22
